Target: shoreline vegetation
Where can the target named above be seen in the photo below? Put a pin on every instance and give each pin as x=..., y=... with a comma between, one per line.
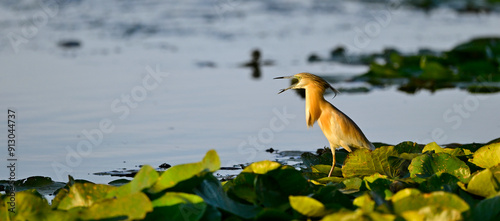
x=405, y=181
x=473, y=66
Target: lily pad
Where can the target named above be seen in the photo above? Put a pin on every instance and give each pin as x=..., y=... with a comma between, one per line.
x=487, y=156
x=437, y=163
x=358, y=214
x=267, y=183
x=440, y=182
x=364, y=163
x=84, y=195
x=177, y=206
x=413, y=200
x=123, y=208
x=308, y=206
x=261, y=167
x=179, y=173
x=485, y=183
x=145, y=178
x=28, y=205
x=213, y=194
x=487, y=210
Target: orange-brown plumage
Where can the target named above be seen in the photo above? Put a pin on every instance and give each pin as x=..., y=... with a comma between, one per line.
x=337, y=127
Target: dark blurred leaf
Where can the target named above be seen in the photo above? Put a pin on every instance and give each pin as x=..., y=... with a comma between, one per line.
x=273, y=214
x=408, y=147
x=440, y=182
x=212, y=193
x=379, y=184
x=44, y=185
x=332, y=198
x=177, y=206
x=487, y=210
x=119, y=182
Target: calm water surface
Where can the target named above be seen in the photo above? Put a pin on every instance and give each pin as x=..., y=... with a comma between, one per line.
x=156, y=82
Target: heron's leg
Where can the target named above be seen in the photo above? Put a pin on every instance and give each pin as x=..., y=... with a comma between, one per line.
x=333, y=162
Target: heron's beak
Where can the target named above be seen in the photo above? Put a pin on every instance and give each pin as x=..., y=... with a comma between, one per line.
x=286, y=77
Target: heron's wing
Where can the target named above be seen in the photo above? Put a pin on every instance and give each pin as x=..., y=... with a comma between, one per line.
x=346, y=131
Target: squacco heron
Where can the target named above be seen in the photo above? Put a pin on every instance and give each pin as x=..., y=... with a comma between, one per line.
x=338, y=128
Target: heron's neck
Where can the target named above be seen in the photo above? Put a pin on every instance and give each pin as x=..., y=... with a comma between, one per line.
x=314, y=97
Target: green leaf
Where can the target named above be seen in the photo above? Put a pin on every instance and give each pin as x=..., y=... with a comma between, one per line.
x=440, y=182
x=269, y=192
x=212, y=193
x=273, y=214
x=358, y=215
x=353, y=183
x=321, y=171
x=332, y=198
x=145, y=178
x=487, y=156
x=432, y=213
x=365, y=203
x=485, y=183
x=28, y=205
x=267, y=183
x=325, y=158
x=438, y=149
x=84, y=195
x=383, y=160
x=177, y=206
x=379, y=184
x=4, y=207
x=487, y=210
x=435, y=71
x=433, y=147
x=261, y=167
x=307, y=206
x=437, y=163
x=408, y=147
x=132, y=207
x=243, y=187
x=176, y=174
x=413, y=200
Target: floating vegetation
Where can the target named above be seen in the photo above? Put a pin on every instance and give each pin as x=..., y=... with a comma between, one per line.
x=473, y=66
x=407, y=181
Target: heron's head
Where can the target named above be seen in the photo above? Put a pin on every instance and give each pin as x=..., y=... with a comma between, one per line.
x=306, y=80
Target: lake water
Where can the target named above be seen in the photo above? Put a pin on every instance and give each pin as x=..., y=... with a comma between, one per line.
x=154, y=82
